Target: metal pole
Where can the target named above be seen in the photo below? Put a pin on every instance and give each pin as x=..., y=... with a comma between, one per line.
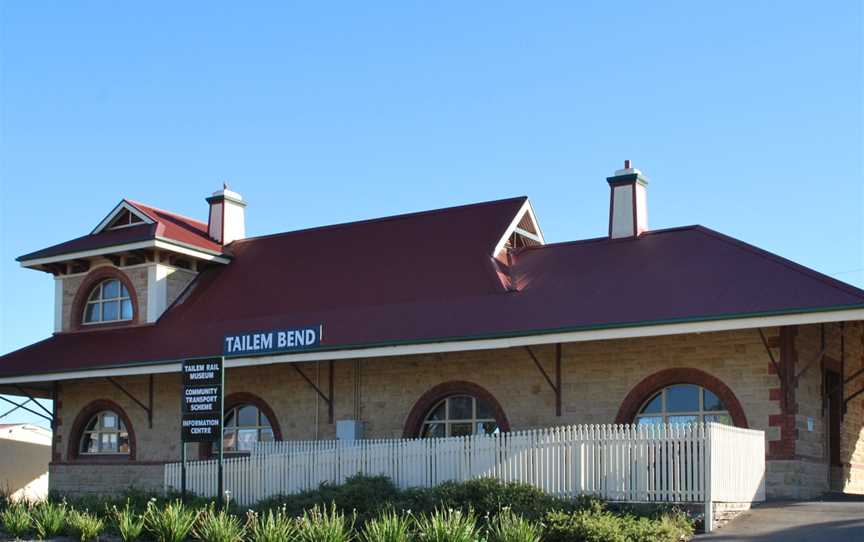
x=183, y=471
x=220, y=487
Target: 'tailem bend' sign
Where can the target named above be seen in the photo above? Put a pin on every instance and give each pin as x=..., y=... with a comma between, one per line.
x=273, y=341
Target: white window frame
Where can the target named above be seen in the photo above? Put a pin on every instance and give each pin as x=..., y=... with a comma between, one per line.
x=100, y=430
x=664, y=411
x=237, y=427
x=449, y=422
x=101, y=302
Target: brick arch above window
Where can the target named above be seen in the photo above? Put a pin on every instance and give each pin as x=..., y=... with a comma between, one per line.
x=669, y=377
x=80, y=423
x=456, y=387
x=206, y=450
x=92, y=280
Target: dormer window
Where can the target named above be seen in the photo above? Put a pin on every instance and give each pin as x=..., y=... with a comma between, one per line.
x=108, y=302
x=124, y=220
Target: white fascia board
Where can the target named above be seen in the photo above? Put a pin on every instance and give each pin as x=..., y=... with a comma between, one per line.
x=180, y=248
x=87, y=253
x=526, y=208
x=120, y=207
x=728, y=324
x=150, y=243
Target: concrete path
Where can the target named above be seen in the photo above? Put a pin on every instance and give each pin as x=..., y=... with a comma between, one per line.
x=794, y=522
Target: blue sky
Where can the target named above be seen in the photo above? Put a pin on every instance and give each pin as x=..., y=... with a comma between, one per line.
x=746, y=116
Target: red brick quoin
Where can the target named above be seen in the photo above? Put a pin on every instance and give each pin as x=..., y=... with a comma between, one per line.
x=456, y=387
x=668, y=377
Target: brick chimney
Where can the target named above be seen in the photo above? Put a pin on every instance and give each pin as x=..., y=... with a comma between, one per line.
x=628, y=202
x=227, y=220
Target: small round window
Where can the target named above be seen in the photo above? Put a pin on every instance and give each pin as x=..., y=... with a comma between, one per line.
x=459, y=415
x=108, y=302
x=683, y=403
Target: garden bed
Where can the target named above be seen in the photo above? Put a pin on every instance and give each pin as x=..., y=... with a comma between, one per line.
x=364, y=509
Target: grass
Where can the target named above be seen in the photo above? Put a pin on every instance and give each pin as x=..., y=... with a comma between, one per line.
x=84, y=525
x=171, y=523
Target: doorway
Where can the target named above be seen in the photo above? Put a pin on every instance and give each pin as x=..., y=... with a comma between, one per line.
x=833, y=381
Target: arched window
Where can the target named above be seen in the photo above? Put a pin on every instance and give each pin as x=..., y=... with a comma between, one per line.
x=245, y=424
x=109, y=301
x=104, y=434
x=683, y=403
x=460, y=415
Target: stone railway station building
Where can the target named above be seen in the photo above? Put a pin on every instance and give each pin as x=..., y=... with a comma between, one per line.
x=446, y=322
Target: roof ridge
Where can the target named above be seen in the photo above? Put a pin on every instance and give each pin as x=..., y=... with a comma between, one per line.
x=606, y=238
x=160, y=210
x=381, y=219
x=804, y=270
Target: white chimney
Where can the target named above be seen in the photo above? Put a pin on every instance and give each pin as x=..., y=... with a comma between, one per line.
x=628, y=202
x=227, y=221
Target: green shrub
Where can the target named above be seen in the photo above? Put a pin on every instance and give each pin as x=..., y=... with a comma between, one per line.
x=171, y=523
x=270, y=526
x=584, y=526
x=390, y=526
x=448, y=526
x=84, y=525
x=486, y=496
x=213, y=526
x=362, y=496
x=321, y=524
x=49, y=518
x=129, y=523
x=605, y=526
x=16, y=519
x=509, y=527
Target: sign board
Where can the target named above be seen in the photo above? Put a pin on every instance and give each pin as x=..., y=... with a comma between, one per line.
x=202, y=400
x=273, y=341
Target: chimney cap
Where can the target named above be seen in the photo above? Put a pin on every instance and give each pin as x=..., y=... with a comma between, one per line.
x=627, y=171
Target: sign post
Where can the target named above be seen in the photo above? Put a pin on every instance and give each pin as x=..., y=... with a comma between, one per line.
x=202, y=410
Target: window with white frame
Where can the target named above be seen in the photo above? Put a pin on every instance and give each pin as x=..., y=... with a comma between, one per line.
x=683, y=403
x=459, y=415
x=108, y=302
x=244, y=426
x=105, y=433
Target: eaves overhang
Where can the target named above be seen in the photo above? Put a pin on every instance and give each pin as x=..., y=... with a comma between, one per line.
x=621, y=330
x=156, y=242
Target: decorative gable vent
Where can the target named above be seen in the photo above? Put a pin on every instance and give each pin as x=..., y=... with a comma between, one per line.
x=124, y=220
x=522, y=232
x=123, y=215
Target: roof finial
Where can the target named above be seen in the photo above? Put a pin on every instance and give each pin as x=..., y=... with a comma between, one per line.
x=225, y=185
x=626, y=164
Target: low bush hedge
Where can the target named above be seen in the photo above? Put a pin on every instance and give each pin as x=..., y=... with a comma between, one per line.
x=369, y=496
x=364, y=509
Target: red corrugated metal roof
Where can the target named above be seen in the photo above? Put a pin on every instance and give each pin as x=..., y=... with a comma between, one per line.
x=167, y=225
x=429, y=277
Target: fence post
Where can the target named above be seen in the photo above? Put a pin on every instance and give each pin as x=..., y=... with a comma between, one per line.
x=709, y=506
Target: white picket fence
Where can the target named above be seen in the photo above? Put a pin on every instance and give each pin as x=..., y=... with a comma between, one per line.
x=689, y=463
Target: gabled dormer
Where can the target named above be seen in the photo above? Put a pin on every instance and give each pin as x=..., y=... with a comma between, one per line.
x=124, y=215
x=131, y=267
x=523, y=231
